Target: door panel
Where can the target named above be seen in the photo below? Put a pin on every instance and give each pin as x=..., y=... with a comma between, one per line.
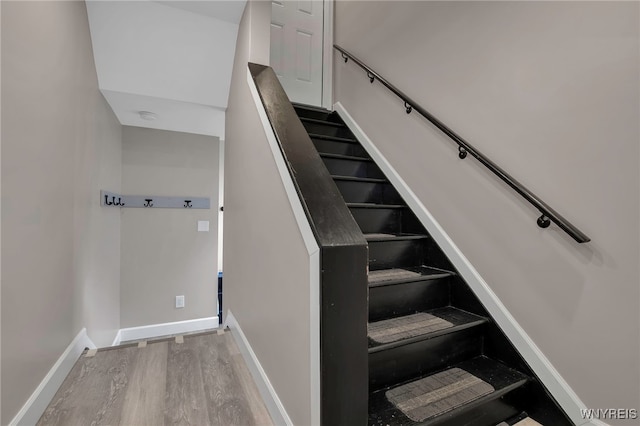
x=296, y=48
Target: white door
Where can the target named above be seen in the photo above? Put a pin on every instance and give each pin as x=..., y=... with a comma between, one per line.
x=296, y=48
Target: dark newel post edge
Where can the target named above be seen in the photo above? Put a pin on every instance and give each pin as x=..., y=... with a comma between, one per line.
x=464, y=148
x=343, y=262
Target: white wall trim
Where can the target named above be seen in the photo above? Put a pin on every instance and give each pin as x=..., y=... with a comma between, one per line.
x=312, y=249
x=37, y=403
x=314, y=335
x=165, y=329
x=117, y=339
x=327, y=55
x=274, y=405
x=554, y=382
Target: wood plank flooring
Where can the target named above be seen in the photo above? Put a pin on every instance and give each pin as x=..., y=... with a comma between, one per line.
x=202, y=381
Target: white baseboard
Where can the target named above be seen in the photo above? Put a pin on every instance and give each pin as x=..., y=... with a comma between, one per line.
x=272, y=402
x=158, y=330
x=549, y=376
x=33, y=409
x=117, y=339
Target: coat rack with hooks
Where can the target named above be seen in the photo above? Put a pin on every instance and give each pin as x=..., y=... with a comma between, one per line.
x=111, y=199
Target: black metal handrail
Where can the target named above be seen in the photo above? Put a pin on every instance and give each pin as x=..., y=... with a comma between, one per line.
x=464, y=147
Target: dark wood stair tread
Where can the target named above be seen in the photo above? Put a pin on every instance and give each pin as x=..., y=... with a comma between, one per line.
x=394, y=332
x=297, y=105
x=344, y=157
x=359, y=179
x=332, y=138
x=323, y=122
x=394, y=237
x=376, y=206
x=502, y=378
x=384, y=277
x=521, y=419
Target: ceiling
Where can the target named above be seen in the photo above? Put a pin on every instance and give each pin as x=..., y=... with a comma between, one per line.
x=172, y=58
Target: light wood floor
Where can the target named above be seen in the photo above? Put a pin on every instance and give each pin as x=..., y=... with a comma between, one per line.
x=202, y=381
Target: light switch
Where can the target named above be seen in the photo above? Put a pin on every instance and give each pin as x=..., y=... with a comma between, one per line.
x=203, y=226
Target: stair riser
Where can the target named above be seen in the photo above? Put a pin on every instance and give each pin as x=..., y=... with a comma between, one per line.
x=386, y=221
x=407, y=298
x=490, y=413
x=318, y=115
x=402, y=363
x=368, y=192
x=327, y=129
x=355, y=168
x=389, y=254
x=336, y=147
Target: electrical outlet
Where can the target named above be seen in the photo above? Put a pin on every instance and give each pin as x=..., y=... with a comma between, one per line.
x=179, y=301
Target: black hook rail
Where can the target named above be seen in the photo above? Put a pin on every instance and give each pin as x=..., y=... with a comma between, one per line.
x=547, y=213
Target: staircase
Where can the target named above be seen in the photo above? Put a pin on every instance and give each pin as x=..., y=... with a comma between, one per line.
x=435, y=356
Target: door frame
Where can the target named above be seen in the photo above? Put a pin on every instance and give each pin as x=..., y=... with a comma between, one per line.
x=327, y=55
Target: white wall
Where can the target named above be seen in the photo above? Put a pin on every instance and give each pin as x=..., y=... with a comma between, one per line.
x=163, y=254
x=60, y=144
x=173, y=61
x=549, y=91
x=266, y=263
x=151, y=49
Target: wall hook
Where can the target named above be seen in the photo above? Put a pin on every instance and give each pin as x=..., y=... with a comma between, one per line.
x=462, y=153
x=543, y=221
x=371, y=77
x=148, y=202
x=120, y=203
x=113, y=201
x=345, y=57
x=106, y=200
x=408, y=108
x=187, y=204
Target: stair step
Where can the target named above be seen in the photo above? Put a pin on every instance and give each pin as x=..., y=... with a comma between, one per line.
x=487, y=414
x=395, y=292
x=387, y=218
x=396, y=250
x=330, y=146
x=394, y=237
x=392, y=276
x=394, y=332
x=332, y=138
x=376, y=206
x=306, y=107
x=521, y=419
x=322, y=122
x=322, y=126
x=496, y=375
x=527, y=422
x=341, y=164
x=359, y=179
x=344, y=157
x=365, y=189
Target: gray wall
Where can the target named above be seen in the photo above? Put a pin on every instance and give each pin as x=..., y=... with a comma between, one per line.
x=548, y=90
x=61, y=144
x=266, y=265
x=163, y=254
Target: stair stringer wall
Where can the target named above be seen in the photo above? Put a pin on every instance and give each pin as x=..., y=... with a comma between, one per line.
x=548, y=375
x=312, y=250
x=267, y=265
